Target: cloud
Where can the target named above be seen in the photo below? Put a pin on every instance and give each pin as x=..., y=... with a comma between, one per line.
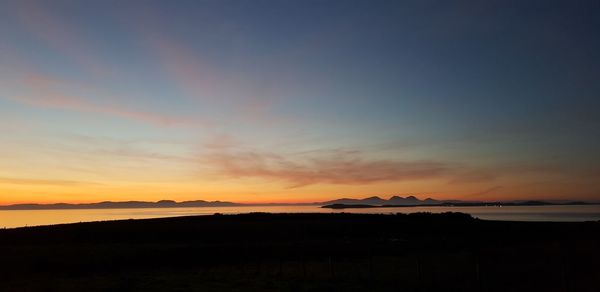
x=29, y=181
x=229, y=158
x=474, y=176
x=59, y=35
x=79, y=104
x=484, y=192
x=125, y=149
x=468, y=175
x=186, y=66
x=189, y=70
x=332, y=167
x=251, y=97
x=44, y=93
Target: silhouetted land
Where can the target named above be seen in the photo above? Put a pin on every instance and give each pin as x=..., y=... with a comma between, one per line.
x=303, y=252
x=371, y=202
x=116, y=205
x=457, y=204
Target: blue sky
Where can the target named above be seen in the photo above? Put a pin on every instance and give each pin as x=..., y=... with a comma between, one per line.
x=298, y=100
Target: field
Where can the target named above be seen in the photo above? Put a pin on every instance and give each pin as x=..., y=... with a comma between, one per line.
x=303, y=252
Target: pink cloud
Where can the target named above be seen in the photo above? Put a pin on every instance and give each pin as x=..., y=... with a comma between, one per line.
x=44, y=93
x=59, y=35
x=247, y=97
x=230, y=159
x=330, y=168
x=484, y=192
x=466, y=175
x=184, y=65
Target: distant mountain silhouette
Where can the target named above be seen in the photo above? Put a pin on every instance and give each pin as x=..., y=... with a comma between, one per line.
x=117, y=205
x=395, y=200
x=370, y=202
x=411, y=201
x=367, y=201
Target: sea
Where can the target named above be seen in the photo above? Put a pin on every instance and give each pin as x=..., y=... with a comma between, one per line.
x=23, y=218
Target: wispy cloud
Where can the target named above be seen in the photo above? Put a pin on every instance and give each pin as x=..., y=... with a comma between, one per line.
x=484, y=192
x=44, y=93
x=44, y=182
x=251, y=97
x=333, y=167
x=78, y=104
x=185, y=66
x=468, y=175
x=232, y=159
x=192, y=73
x=59, y=35
x=124, y=149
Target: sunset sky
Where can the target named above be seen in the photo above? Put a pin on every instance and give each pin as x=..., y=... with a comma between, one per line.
x=298, y=101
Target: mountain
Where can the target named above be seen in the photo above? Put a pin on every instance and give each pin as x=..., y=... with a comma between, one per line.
x=377, y=201
x=117, y=205
x=374, y=201
x=410, y=201
x=397, y=201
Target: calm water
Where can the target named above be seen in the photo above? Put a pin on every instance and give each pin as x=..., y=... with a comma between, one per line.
x=20, y=218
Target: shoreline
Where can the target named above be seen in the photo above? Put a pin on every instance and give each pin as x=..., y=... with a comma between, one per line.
x=537, y=213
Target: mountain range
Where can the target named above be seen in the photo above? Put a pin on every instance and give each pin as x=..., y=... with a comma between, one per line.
x=119, y=205
x=370, y=202
x=394, y=200
x=410, y=201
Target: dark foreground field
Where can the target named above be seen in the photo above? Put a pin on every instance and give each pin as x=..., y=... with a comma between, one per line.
x=303, y=252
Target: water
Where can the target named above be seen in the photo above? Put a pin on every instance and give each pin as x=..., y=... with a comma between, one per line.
x=19, y=218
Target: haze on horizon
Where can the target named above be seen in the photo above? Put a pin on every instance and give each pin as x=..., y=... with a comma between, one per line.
x=298, y=101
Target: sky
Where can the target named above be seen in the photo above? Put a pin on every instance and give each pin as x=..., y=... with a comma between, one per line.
x=298, y=101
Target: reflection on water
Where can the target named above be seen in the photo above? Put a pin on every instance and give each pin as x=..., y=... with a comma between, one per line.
x=18, y=218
